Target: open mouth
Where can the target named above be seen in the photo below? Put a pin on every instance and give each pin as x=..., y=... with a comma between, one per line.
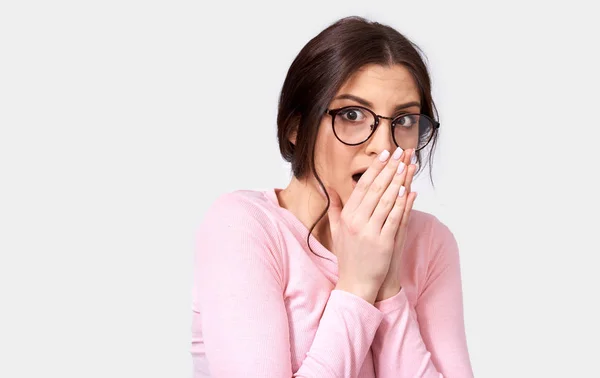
x=357, y=176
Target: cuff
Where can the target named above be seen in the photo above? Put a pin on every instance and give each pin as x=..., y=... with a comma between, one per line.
x=346, y=300
x=397, y=302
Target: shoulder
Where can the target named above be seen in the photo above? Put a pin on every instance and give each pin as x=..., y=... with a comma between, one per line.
x=427, y=224
x=240, y=212
x=244, y=203
x=237, y=240
x=431, y=236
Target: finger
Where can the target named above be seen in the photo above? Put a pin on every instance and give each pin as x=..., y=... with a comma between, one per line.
x=392, y=222
x=413, y=158
x=410, y=175
x=409, y=159
x=415, y=161
x=378, y=187
x=406, y=215
x=385, y=204
x=363, y=184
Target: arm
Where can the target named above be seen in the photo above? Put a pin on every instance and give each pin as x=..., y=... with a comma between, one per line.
x=238, y=290
x=435, y=345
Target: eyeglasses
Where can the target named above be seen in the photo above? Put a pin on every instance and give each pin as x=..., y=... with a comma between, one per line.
x=354, y=125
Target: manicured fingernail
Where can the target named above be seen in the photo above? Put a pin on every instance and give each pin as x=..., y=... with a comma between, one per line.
x=402, y=190
x=384, y=155
x=413, y=158
x=397, y=153
x=401, y=167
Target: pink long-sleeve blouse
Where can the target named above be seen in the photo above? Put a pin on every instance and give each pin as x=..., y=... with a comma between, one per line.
x=264, y=305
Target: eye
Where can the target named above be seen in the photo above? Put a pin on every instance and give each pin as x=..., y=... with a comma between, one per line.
x=406, y=121
x=353, y=115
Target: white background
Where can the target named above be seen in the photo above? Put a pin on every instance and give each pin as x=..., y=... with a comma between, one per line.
x=122, y=121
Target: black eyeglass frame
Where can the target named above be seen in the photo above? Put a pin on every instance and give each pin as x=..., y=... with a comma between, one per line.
x=334, y=112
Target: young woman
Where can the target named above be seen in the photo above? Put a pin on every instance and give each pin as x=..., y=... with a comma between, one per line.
x=336, y=275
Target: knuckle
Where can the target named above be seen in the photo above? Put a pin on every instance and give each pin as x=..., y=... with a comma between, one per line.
x=362, y=185
x=394, y=217
x=376, y=187
x=367, y=232
x=372, y=236
x=396, y=214
x=392, y=165
x=354, y=228
x=400, y=201
x=386, y=201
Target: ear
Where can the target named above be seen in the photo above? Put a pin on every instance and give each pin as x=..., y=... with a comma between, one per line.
x=295, y=124
x=292, y=137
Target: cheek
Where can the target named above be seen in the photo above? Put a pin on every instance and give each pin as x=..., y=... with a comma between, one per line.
x=329, y=153
x=339, y=159
x=334, y=162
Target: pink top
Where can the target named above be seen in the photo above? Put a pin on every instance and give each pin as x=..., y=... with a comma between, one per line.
x=265, y=306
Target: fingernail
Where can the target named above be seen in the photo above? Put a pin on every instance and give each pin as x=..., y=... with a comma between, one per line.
x=401, y=167
x=402, y=190
x=397, y=153
x=384, y=155
x=413, y=158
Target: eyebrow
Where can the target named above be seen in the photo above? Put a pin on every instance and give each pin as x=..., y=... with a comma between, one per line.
x=366, y=103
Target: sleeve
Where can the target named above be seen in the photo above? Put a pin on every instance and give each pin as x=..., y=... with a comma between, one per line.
x=238, y=302
x=429, y=340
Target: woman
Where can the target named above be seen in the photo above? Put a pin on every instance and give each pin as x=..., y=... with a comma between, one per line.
x=336, y=275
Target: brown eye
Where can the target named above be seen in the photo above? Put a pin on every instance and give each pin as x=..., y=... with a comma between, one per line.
x=406, y=121
x=354, y=115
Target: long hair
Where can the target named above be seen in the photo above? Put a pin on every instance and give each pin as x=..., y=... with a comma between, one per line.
x=322, y=67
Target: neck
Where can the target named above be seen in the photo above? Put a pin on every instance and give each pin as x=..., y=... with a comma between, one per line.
x=304, y=200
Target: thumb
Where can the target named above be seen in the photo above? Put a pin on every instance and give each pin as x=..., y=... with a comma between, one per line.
x=335, y=208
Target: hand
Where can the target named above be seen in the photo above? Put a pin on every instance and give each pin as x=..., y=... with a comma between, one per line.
x=364, y=230
x=391, y=284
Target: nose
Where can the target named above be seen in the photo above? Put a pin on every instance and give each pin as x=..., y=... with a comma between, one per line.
x=381, y=139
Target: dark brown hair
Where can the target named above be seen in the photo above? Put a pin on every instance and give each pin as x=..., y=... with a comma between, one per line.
x=319, y=71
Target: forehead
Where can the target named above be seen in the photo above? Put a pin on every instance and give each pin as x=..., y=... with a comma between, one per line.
x=382, y=85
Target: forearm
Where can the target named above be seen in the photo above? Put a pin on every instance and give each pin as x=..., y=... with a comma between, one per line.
x=343, y=339
x=398, y=348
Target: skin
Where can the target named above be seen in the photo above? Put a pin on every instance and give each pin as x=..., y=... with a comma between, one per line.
x=384, y=88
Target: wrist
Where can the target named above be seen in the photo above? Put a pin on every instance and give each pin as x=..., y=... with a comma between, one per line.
x=387, y=292
x=365, y=292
